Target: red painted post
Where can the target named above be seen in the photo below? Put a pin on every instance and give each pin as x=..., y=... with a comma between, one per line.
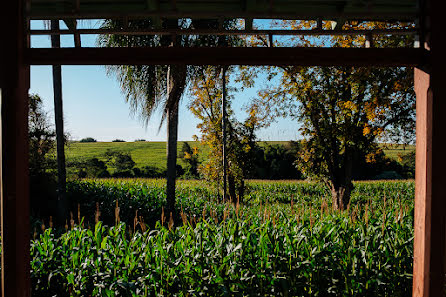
x=430, y=194
x=423, y=185
x=14, y=84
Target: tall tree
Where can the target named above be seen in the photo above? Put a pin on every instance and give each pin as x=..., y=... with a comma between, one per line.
x=343, y=110
x=206, y=105
x=62, y=205
x=149, y=86
x=41, y=137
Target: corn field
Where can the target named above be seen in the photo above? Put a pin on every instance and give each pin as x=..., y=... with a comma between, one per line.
x=283, y=240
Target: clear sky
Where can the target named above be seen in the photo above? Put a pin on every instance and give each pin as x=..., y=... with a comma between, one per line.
x=95, y=107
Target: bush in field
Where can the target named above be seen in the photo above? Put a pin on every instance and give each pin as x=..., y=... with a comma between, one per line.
x=96, y=168
x=118, y=140
x=150, y=172
x=276, y=161
x=41, y=137
x=363, y=170
x=190, y=157
x=88, y=139
x=120, y=160
x=408, y=163
x=92, y=168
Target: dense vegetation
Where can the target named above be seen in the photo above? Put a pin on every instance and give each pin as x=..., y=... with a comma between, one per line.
x=273, y=160
x=284, y=240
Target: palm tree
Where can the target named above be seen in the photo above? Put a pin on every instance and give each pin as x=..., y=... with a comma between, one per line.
x=62, y=207
x=150, y=86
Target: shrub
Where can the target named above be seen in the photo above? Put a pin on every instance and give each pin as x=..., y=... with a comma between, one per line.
x=122, y=161
x=408, y=163
x=391, y=174
x=190, y=157
x=96, y=168
x=152, y=172
x=42, y=138
x=88, y=139
x=118, y=140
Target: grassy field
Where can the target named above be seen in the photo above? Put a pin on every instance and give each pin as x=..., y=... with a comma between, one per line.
x=393, y=151
x=154, y=153
x=143, y=153
x=283, y=240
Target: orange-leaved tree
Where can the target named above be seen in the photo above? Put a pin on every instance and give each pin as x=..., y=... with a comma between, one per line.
x=206, y=105
x=343, y=111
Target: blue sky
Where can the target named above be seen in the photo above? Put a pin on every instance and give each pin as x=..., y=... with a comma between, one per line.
x=95, y=107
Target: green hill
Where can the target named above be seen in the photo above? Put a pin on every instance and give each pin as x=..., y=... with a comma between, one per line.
x=146, y=153
x=143, y=153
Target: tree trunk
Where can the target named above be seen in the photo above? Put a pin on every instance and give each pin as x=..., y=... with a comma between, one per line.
x=340, y=194
x=231, y=189
x=223, y=120
x=241, y=191
x=341, y=184
x=176, y=83
x=172, y=138
x=62, y=205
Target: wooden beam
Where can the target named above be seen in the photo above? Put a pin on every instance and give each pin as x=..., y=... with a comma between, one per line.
x=14, y=84
x=152, y=5
x=43, y=13
x=220, y=31
x=228, y=56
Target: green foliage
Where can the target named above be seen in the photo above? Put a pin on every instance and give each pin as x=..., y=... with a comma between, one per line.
x=118, y=140
x=42, y=163
x=120, y=160
x=152, y=155
x=240, y=146
x=88, y=139
x=408, y=163
x=149, y=172
x=268, y=247
x=94, y=168
x=343, y=110
x=276, y=161
x=42, y=138
x=190, y=157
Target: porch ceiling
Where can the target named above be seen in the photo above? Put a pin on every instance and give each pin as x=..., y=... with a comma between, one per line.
x=385, y=10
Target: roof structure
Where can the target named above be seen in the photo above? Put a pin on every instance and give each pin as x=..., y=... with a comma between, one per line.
x=277, y=9
x=337, y=12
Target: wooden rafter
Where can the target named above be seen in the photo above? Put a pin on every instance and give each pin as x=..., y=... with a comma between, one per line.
x=229, y=56
x=315, y=32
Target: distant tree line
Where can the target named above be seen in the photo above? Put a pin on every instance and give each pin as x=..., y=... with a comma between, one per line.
x=113, y=164
x=266, y=161
x=280, y=161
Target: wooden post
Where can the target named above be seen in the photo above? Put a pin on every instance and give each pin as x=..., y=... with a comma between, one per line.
x=430, y=195
x=14, y=84
x=423, y=185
